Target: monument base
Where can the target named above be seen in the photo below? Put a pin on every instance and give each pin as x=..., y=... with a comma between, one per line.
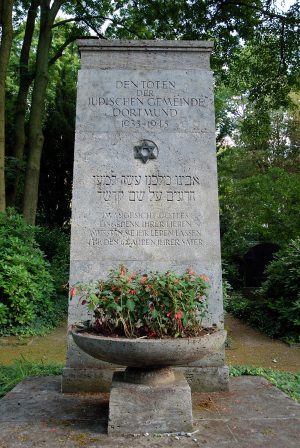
x=200, y=379
x=207, y=379
x=149, y=408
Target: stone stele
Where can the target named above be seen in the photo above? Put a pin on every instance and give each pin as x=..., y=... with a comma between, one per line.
x=145, y=181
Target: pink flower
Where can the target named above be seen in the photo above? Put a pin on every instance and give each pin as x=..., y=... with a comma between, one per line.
x=73, y=292
x=205, y=278
x=178, y=315
x=123, y=271
x=132, y=291
x=190, y=272
x=131, y=277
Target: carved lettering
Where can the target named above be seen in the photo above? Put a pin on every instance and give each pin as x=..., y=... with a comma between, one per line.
x=130, y=180
x=136, y=195
x=150, y=103
x=111, y=195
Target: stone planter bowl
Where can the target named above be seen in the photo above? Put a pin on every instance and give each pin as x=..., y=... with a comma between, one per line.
x=152, y=353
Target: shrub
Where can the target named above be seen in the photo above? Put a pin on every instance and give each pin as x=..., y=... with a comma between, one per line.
x=56, y=246
x=281, y=291
x=25, y=282
x=275, y=307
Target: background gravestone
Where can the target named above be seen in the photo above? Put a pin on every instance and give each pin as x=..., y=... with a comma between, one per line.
x=255, y=262
x=145, y=180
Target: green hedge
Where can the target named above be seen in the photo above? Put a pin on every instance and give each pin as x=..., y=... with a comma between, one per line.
x=31, y=296
x=275, y=307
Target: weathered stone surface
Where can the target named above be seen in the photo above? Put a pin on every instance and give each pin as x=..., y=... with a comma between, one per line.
x=253, y=414
x=143, y=54
x=138, y=408
x=207, y=379
x=158, y=215
x=200, y=379
x=149, y=352
x=94, y=379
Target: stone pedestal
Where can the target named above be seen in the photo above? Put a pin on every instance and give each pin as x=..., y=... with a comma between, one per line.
x=156, y=406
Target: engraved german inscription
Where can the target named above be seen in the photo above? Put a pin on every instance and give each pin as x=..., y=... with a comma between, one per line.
x=148, y=103
x=145, y=229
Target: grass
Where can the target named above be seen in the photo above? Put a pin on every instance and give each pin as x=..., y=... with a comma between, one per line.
x=13, y=374
x=286, y=381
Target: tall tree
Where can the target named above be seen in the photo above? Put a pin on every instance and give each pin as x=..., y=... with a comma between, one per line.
x=25, y=80
x=48, y=13
x=5, y=46
x=35, y=134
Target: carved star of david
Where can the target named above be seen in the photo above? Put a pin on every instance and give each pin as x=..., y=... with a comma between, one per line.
x=147, y=150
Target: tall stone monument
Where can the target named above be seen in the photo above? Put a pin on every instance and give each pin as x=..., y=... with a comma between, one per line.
x=145, y=181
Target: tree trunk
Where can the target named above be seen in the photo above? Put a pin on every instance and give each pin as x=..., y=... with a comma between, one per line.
x=21, y=103
x=35, y=132
x=5, y=46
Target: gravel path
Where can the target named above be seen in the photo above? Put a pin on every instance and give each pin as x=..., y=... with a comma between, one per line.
x=247, y=346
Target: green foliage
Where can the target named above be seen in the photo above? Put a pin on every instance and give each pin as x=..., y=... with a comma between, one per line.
x=281, y=290
x=275, y=308
x=226, y=287
x=26, y=285
x=258, y=193
x=32, y=298
x=286, y=381
x=56, y=246
x=13, y=374
x=152, y=305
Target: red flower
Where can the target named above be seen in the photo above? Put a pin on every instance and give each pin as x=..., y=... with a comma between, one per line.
x=132, y=291
x=151, y=334
x=169, y=314
x=178, y=315
x=73, y=292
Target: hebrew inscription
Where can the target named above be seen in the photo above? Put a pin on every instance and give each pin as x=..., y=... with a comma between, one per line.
x=151, y=188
